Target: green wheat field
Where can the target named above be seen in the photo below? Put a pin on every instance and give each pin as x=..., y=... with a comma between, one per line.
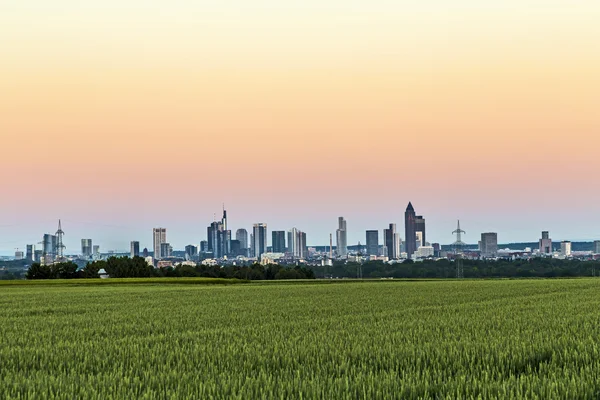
x=351, y=340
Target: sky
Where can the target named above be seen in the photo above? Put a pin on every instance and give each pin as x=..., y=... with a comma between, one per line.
x=118, y=116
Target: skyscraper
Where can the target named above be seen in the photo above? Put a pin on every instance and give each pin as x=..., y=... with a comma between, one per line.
x=159, y=236
x=341, y=238
x=389, y=238
x=260, y=239
x=297, y=243
x=191, y=251
x=302, y=247
x=596, y=249
x=278, y=242
x=166, y=250
x=86, y=248
x=410, y=231
x=30, y=252
x=545, y=243
x=420, y=227
x=135, y=249
x=489, y=244
x=49, y=244
x=242, y=236
x=219, y=237
x=372, y=243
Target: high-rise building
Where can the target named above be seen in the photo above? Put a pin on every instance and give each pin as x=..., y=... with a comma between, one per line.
x=372, y=243
x=341, y=235
x=191, y=251
x=86, y=248
x=235, y=248
x=166, y=250
x=302, y=247
x=145, y=253
x=489, y=244
x=159, y=236
x=96, y=250
x=242, y=236
x=297, y=243
x=19, y=255
x=30, y=252
x=251, y=249
x=260, y=239
x=389, y=240
x=397, y=245
x=135, y=249
x=545, y=243
x=278, y=241
x=49, y=245
x=596, y=247
x=219, y=237
x=565, y=248
x=420, y=227
x=410, y=230
x=204, y=246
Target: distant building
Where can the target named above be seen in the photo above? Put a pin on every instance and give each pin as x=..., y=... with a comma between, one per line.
x=135, y=249
x=489, y=244
x=242, y=236
x=159, y=236
x=410, y=230
x=96, y=250
x=297, y=243
x=388, y=238
x=260, y=239
x=166, y=250
x=565, y=248
x=545, y=243
x=420, y=227
x=278, y=241
x=145, y=253
x=235, y=249
x=86, y=248
x=341, y=236
x=204, y=246
x=30, y=252
x=19, y=255
x=419, y=239
x=191, y=251
x=372, y=243
x=49, y=245
x=424, y=252
x=596, y=248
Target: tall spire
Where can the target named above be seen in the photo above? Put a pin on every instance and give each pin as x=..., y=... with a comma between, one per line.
x=410, y=207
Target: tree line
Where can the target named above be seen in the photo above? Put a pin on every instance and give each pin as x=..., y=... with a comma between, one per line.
x=137, y=267
x=535, y=267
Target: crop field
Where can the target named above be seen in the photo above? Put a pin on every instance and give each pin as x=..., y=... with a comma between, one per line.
x=388, y=339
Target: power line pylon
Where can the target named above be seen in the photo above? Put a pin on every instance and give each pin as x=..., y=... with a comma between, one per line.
x=60, y=247
x=458, y=251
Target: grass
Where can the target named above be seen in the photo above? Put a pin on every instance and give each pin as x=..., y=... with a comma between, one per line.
x=378, y=339
x=122, y=281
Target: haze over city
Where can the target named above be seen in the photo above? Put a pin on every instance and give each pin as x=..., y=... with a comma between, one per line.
x=122, y=116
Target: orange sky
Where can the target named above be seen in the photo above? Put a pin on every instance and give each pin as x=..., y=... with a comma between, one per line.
x=293, y=114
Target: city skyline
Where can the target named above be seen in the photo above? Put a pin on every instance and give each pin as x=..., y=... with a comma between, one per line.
x=341, y=222
x=483, y=110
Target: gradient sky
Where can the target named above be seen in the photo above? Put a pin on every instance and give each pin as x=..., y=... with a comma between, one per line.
x=121, y=115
